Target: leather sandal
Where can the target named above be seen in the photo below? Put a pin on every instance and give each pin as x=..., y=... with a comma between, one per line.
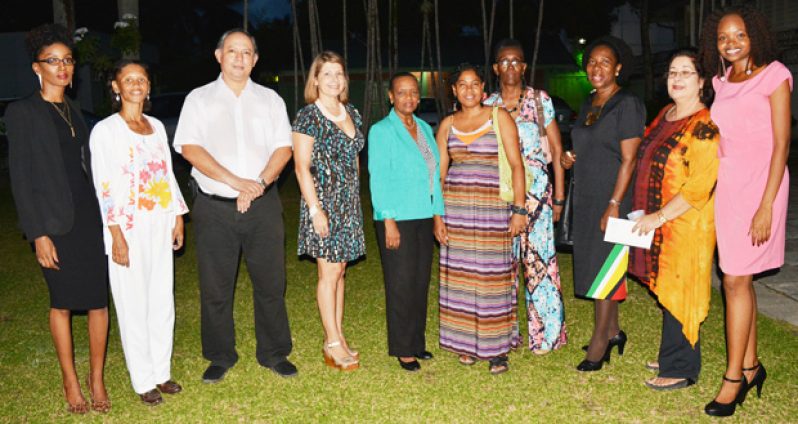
x=467, y=360
x=347, y=363
x=677, y=383
x=498, y=365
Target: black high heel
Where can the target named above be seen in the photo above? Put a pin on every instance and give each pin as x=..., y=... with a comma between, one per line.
x=588, y=365
x=758, y=380
x=619, y=340
x=717, y=409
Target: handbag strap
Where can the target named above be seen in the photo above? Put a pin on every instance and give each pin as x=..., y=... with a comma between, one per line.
x=495, y=121
x=541, y=120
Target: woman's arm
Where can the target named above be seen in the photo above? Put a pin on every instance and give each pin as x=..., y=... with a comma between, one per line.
x=780, y=119
x=509, y=134
x=625, y=172
x=303, y=151
x=441, y=138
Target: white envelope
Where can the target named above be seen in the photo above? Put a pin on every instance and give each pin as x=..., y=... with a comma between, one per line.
x=619, y=231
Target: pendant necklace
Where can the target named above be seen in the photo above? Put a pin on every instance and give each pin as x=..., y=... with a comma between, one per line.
x=66, y=116
x=514, y=108
x=335, y=118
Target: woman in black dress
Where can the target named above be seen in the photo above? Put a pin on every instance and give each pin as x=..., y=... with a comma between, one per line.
x=50, y=178
x=606, y=136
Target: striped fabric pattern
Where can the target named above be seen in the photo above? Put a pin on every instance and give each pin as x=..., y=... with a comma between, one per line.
x=477, y=295
x=610, y=282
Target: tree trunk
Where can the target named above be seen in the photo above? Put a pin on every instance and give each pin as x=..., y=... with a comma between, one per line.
x=487, y=39
x=537, y=44
x=440, y=86
x=315, y=30
x=345, y=36
x=395, y=35
x=246, y=15
x=512, y=20
x=299, y=61
x=645, y=39
x=691, y=14
x=64, y=14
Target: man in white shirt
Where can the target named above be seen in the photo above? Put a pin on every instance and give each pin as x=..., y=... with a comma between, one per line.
x=237, y=136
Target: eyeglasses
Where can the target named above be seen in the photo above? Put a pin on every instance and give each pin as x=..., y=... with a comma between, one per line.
x=54, y=61
x=680, y=74
x=506, y=63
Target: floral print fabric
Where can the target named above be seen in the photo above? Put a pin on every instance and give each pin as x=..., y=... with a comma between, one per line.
x=545, y=311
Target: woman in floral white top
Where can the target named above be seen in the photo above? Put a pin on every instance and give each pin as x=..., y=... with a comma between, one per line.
x=141, y=208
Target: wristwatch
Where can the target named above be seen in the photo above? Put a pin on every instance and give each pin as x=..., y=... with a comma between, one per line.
x=558, y=202
x=518, y=210
x=261, y=182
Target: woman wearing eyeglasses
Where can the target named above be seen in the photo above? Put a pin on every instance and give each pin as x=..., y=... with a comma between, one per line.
x=50, y=170
x=605, y=137
x=677, y=167
x=539, y=138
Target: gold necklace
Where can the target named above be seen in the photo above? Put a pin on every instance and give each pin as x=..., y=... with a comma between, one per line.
x=593, y=116
x=67, y=117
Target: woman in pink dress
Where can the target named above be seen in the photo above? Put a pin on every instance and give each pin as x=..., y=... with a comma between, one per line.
x=752, y=111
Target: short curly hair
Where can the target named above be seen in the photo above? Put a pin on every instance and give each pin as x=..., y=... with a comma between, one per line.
x=622, y=51
x=463, y=67
x=763, y=46
x=44, y=36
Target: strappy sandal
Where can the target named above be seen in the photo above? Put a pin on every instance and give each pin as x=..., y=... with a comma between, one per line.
x=101, y=406
x=347, y=363
x=678, y=383
x=498, y=365
x=652, y=365
x=467, y=360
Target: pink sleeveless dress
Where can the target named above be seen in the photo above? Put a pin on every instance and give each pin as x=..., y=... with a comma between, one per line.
x=742, y=113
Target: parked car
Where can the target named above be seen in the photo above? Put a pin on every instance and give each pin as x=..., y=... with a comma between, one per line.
x=428, y=112
x=565, y=118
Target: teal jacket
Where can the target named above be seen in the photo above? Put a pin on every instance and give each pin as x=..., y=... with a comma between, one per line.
x=400, y=187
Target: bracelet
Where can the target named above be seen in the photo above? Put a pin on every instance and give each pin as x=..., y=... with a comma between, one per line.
x=313, y=211
x=261, y=182
x=518, y=210
x=615, y=202
x=558, y=202
x=661, y=217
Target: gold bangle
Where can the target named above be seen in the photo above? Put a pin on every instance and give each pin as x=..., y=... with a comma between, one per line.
x=615, y=202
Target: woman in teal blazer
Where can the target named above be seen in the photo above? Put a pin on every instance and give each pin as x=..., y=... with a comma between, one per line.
x=404, y=164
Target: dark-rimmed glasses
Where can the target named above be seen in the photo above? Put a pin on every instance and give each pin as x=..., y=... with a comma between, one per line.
x=54, y=61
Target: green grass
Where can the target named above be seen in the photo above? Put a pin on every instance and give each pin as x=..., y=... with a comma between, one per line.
x=536, y=389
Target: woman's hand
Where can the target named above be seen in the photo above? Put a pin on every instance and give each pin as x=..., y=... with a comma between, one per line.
x=320, y=224
x=119, y=249
x=177, y=233
x=568, y=159
x=611, y=211
x=392, y=236
x=439, y=230
x=760, y=225
x=556, y=212
x=646, y=224
x=517, y=224
x=46, y=253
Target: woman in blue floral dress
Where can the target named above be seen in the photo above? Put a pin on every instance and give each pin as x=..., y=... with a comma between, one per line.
x=545, y=312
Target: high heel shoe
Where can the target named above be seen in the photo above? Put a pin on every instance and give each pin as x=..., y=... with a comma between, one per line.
x=76, y=408
x=619, y=340
x=717, y=409
x=347, y=363
x=758, y=380
x=101, y=406
x=588, y=365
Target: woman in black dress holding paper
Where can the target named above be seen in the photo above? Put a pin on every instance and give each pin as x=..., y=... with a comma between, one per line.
x=49, y=163
x=605, y=137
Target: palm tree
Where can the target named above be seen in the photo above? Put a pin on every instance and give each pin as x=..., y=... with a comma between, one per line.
x=487, y=37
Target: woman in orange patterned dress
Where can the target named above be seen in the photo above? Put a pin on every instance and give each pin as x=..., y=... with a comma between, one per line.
x=677, y=166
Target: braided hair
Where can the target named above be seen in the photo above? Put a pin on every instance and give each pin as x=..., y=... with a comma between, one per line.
x=763, y=46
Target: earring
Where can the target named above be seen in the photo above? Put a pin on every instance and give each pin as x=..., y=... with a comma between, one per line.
x=40, y=80
x=148, y=97
x=617, y=73
x=117, y=98
x=723, y=67
x=748, y=70
x=70, y=84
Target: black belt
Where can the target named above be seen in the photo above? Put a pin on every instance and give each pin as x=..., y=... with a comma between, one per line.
x=219, y=198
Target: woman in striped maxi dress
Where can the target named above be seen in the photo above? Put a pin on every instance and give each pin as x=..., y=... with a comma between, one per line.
x=477, y=295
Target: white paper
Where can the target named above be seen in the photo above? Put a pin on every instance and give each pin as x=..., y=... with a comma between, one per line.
x=619, y=231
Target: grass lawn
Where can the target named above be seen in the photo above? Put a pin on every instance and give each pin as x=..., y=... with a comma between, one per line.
x=536, y=389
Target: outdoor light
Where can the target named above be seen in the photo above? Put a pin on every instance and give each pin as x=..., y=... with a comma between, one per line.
x=582, y=41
